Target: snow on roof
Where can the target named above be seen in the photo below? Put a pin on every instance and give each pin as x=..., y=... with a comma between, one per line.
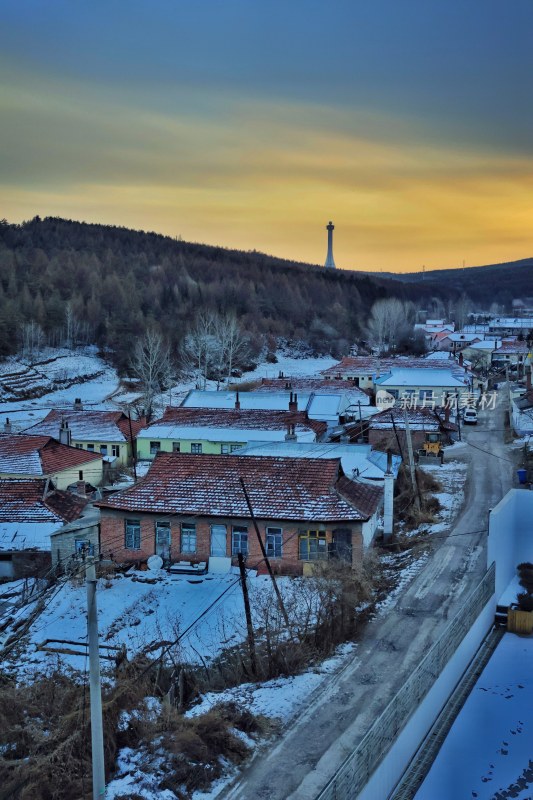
x=485, y=344
x=259, y=401
x=319, y=386
x=214, y=424
x=522, y=323
x=87, y=426
x=371, y=365
x=489, y=743
x=463, y=337
x=360, y=458
x=279, y=488
x=24, y=511
x=513, y=346
x=22, y=454
x=420, y=419
x=420, y=377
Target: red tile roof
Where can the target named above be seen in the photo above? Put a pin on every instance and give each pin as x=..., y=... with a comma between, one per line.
x=24, y=454
x=419, y=419
x=254, y=419
x=370, y=365
x=513, y=346
x=319, y=385
x=24, y=501
x=297, y=489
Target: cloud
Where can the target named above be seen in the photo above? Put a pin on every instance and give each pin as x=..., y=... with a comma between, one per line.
x=247, y=173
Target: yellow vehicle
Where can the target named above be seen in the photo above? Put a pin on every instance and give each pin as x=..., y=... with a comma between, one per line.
x=432, y=445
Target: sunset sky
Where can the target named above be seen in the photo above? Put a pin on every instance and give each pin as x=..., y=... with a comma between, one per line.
x=251, y=123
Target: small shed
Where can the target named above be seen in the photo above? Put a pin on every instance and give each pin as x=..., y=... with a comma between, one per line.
x=81, y=535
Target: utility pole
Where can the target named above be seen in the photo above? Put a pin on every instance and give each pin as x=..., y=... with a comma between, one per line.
x=97, y=733
x=133, y=448
x=265, y=557
x=248, y=613
x=411, y=460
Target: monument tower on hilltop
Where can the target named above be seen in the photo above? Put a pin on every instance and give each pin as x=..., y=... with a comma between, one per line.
x=330, y=264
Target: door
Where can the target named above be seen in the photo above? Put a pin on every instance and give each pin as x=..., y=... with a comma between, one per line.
x=162, y=540
x=341, y=547
x=218, y=540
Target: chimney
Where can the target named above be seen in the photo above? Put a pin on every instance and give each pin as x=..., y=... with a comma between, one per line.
x=280, y=375
x=237, y=402
x=388, y=500
x=293, y=402
x=65, y=435
x=7, y=426
x=77, y=404
x=290, y=436
x=80, y=488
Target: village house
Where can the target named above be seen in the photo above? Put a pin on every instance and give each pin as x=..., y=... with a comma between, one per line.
x=456, y=342
x=32, y=456
x=110, y=433
x=511, y=326
x=511, y=352
x=364, y=370
x=76, y=539
x=430, y=431
x=429, y=387
x=30, y=512
x=220, y=430
x=480, y=353
x=194, y=507
x=327, y=406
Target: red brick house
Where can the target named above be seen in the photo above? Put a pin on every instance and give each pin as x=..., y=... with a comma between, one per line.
x=191, y=507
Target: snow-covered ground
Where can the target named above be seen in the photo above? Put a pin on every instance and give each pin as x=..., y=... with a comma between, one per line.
x=66, y=367
x=487, y=754
x=280, y=699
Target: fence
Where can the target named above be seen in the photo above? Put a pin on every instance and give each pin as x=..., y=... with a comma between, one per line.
x=358, y=767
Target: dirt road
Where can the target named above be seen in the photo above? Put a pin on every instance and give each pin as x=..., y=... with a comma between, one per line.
x=312, y=747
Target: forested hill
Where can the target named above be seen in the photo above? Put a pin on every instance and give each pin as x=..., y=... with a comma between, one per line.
x=116, y=281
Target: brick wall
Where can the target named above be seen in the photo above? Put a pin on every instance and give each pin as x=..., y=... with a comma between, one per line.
x=112, y=540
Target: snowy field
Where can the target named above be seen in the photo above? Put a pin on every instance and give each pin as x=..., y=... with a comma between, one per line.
x=488, y=753
x=205, y=612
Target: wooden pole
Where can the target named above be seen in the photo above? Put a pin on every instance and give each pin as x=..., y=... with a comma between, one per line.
x=248, y=613
x=411, y=460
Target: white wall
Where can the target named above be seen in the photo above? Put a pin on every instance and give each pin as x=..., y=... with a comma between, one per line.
x=404, y=748
x=510, y=539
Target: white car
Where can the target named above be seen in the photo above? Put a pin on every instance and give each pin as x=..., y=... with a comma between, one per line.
x=470, y=416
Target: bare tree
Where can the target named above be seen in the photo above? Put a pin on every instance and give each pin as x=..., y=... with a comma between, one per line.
x=151, y=363
x=71, y=327
x=213, y=347
x=231, y=344
x=388, y=323
x=32, y=339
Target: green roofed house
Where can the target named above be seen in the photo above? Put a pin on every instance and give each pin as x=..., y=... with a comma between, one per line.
x=222, y=431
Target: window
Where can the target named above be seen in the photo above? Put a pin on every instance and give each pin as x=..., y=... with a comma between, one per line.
x=133, y=534
x=312, y=545
x=234, y=447
x=188, y=538
x=239, y=540
x=80, y=474
x=196, y=447
x=155, y=447
x=79, y=446
x=90, y=447
x=274, y=540
x=176, y=447
x=115, y=450
x=103, y=449
x=224, y=449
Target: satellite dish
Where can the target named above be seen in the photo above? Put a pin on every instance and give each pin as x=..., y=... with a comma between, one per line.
x=155, y=563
